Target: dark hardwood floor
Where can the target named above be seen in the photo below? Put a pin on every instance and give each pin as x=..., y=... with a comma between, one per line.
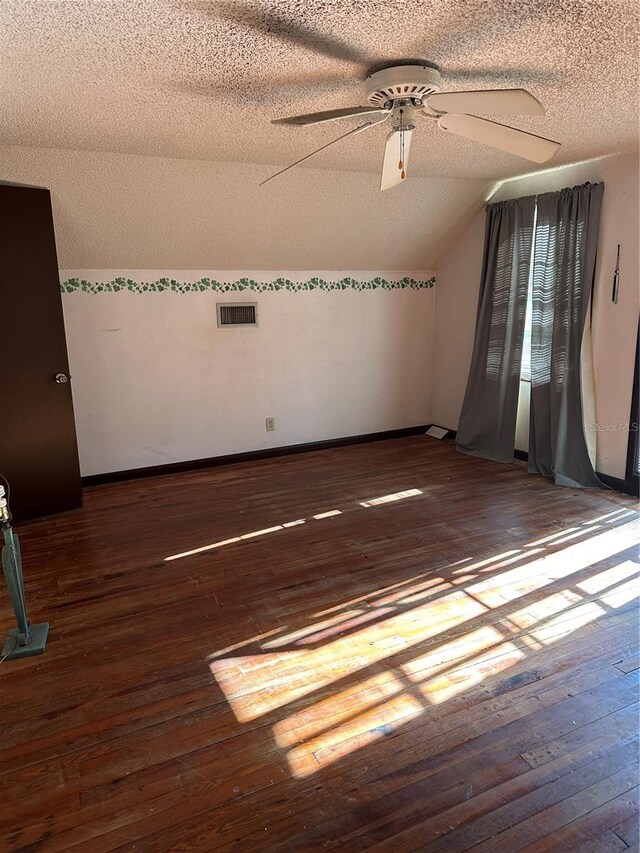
x=385, y=647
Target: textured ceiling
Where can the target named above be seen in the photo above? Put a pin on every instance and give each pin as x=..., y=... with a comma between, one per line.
x=203, y=79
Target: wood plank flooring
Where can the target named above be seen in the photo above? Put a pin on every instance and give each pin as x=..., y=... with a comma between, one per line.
x=387, y=647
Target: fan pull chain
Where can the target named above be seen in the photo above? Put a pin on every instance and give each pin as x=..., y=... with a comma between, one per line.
x=401, y=163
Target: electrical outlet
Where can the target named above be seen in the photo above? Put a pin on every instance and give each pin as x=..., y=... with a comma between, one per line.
x=271, y=424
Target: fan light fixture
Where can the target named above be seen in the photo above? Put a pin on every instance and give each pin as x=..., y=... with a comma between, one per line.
x=400, y=93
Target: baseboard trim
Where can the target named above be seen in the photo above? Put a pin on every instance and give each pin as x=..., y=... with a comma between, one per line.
x=615, y=483
x=249, y=456
x=619, y=485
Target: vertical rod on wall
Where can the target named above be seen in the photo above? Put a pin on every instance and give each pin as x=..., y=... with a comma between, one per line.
x=616, y=277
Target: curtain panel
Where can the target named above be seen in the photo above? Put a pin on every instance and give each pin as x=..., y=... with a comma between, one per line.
x=487, y=423
x=564, y=260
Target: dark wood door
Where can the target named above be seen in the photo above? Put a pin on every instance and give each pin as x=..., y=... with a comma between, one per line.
x=38, y=450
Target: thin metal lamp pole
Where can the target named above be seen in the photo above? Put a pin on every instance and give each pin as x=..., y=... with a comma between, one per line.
x=26, y=639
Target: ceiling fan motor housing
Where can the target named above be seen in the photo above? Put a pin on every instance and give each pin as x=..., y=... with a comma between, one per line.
x=413, y=82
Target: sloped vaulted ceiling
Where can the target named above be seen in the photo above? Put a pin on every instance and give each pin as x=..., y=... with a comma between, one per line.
x=201, y=80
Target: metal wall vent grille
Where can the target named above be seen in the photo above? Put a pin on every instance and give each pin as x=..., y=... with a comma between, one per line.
x=237, y=313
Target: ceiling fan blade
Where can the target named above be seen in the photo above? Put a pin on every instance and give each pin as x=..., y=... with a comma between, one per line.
x=352, y=132
x=515, y=102
x=396, y=152
x=329, y=115
x=501, y=136
x=288, y=30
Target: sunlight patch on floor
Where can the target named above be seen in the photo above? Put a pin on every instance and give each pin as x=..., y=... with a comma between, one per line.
x=322, y=630
x=466, y=646
x=331, y=513
x=416, y=592
x=391, y=655
x=622, y=594
x=244, y=643
x=396, y=496
x=609, y=516
x=546, y=540
x=609, y=577
x=489, y=561
x=443, y=687
x=298, y=673
x=367, y=727
x=556, y=615
x=224, y=542
x=571, y=536
x=368, y=597
x=343, y=705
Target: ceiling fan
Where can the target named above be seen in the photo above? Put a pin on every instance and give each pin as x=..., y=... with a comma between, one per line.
x=400, y=94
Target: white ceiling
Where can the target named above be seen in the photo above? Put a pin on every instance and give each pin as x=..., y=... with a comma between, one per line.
x=203, y=79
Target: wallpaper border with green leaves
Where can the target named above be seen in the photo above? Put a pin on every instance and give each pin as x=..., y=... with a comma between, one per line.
x=81, y=285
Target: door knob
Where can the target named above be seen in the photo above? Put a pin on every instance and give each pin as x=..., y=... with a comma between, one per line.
x=61, y=378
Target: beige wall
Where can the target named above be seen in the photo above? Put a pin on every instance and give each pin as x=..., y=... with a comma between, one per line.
x=118, y=211
x=456, y=298
x=614, y=326
x=156, y=381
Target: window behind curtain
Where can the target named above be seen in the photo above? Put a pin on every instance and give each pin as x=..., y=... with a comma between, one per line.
x=525, y=370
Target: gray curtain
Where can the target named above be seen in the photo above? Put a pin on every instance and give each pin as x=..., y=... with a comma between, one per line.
x=488, y=419
x=564, y=260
